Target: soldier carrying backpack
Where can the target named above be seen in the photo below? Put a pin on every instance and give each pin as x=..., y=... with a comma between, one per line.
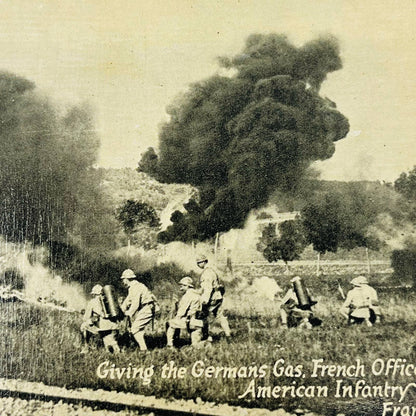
x=212, y=296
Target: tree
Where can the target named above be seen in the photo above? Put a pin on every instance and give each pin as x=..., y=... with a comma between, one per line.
x=403, y=262
x=405, y=184
x=148, y=163
x=335, y=219
x=133, y=213
x=289, y=245
x=140, y=222
x=268, y=234
x=322, y=223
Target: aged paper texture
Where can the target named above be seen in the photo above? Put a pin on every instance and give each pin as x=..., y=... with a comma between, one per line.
x=207, y=207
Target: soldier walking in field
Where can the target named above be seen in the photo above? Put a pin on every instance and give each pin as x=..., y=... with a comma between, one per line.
x=188, y=314
x=212, y=296
x=139, y=306
x=361, y=303
x=296, y=307
x=97, y=322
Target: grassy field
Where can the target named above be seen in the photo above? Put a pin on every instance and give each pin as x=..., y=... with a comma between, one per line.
x=38, y=344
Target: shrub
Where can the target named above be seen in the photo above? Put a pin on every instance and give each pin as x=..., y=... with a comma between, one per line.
x=404, y=264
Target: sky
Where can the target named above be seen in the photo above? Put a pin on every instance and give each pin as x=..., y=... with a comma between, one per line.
x=129, y=59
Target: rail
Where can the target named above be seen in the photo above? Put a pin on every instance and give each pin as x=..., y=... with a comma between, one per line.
x=107, y=400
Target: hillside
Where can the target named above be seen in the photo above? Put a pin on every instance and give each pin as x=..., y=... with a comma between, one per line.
x=123, y=184
x=127, y=183
x=383, y=193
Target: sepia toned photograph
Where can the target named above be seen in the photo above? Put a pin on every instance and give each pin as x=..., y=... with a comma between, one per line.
x=207, y=208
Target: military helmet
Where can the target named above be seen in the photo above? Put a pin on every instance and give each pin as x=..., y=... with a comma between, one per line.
x=186, y=281
x=358, y=281
x=128, y=274
x=201, y=259
x=96, y=290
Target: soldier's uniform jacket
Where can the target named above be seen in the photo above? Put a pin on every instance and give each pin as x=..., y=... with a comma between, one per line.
x=359, y=299
x=188, y=307
x=189, y=304
x=210, y=286
x=94, y=316
x=290, y=300
x=291, y=313
x=138, y=297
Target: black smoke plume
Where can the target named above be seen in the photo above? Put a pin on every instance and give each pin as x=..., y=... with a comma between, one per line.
x=47, y=185
x=239, y=138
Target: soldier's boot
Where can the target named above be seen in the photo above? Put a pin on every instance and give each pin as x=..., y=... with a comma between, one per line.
x=84, y=349
x=283, y=317
x=305, y=324
x=86, y=335
x=170, y=335
x=205, y=330
x=114, y=347
x=111, y=344
x=368, y=323
x=225, y=326
x=139, y=338
x=177, y=334
x=196, y=337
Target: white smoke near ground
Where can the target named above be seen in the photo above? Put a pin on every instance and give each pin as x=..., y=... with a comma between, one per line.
x=39, y=282
x=266, y=287
x=241, y=244
x=395, y=236
x=236, y=246
x=255, y=296
x=176, y=203
x=182, y=254
x=185, y=255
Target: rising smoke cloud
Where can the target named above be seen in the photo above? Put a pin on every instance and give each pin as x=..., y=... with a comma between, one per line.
x=240, y=138
x=44, y=159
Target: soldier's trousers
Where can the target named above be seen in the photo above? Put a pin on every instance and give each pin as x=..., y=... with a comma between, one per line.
x=176, y=324
x=108, y=337
x=215, y=308
x=293, y=317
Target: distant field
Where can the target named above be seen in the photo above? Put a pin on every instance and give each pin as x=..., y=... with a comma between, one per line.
x=379, y=269
x=44, y=345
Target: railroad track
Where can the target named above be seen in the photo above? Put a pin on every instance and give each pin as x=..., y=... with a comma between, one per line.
x=96, y=399
x=122, y=402
x=95, y=404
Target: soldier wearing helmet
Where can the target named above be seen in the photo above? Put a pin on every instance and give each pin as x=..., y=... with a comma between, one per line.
x=97, y=322
x=361, y=303
x=212, y=295
x=139, y=306
x=296, y=306
x=187, y=314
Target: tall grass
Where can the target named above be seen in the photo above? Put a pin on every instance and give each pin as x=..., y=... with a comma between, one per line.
x=39, y=344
